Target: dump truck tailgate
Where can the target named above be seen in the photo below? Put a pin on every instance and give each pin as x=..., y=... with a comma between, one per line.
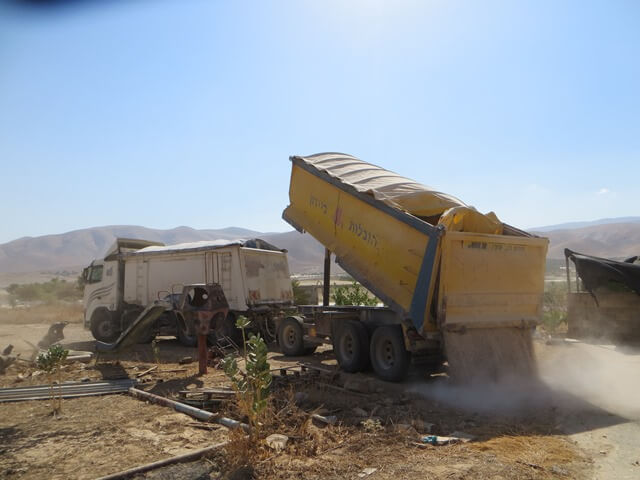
x=490, y=281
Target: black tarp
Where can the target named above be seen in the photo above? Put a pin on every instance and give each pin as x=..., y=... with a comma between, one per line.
x=601, y=272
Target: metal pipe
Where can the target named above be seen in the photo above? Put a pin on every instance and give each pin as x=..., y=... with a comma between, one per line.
x=327, y=277
x=180, y=407
x=188, y=409
x=187, y=457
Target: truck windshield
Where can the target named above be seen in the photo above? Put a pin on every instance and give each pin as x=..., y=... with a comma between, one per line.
x=95, y=275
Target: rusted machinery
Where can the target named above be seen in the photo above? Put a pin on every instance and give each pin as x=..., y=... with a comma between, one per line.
x=203, y=307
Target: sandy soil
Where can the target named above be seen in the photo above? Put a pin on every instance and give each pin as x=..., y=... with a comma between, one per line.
x=522, y=431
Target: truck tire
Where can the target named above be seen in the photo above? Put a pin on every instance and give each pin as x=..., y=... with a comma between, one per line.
x=130, y=316
x=352, y=346
x=104, y=327
x=389, y=357
x=291, y=337
x=182, y=332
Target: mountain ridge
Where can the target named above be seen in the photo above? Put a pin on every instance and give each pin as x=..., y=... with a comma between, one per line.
x=74, y=249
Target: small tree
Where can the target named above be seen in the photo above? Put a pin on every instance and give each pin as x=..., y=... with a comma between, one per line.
x=50, y=362
x=354, y=294
x=252, y=386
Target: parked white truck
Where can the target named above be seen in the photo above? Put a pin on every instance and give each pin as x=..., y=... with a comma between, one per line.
x=254, y=276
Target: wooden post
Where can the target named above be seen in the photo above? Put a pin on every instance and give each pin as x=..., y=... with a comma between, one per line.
x=327, y=277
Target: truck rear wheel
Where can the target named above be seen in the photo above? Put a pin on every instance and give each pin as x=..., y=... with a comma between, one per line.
x=104, y=327
x=389, y=357
x=352, y=346
x=291, y=337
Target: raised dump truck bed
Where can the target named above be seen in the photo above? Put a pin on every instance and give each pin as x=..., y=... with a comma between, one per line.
x=446, y=272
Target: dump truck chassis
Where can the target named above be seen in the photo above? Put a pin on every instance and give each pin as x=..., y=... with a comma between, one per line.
x=361, y=337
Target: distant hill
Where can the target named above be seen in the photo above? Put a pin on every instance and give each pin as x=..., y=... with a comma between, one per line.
x=572, y=225
x=609, y=240
x=72, y=250
x=76, y=249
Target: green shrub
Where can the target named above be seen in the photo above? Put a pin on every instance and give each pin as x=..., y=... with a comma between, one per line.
x=48, y=292
x=251, y=387
x=50, y=362
x=354, y=294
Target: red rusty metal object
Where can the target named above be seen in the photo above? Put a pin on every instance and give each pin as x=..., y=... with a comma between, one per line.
x=202, y=305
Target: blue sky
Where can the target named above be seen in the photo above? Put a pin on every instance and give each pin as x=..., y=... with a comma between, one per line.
x=167, y=113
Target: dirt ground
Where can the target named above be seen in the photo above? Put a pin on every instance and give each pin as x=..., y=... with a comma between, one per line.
x=519, y=432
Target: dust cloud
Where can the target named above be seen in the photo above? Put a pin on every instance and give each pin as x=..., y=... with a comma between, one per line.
x=571, y=376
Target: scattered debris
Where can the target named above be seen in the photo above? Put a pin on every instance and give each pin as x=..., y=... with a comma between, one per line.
x=367, y=471
x=442, y=440
x=187, y=457
x=277, y=441
x=188, y=409
x=463, y=437
x=205, y=397
x=555, y=469
x=148, y=370
x=5, y=362
x=54, y=335
x=328, y=420
x=76, y=356
x=532, y=465
x=65, y=390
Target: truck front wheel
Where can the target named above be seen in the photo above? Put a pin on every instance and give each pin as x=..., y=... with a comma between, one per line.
x=104, y=327
x=352, y=346
x=389, y=357
x=291, y=337
x=185, y=337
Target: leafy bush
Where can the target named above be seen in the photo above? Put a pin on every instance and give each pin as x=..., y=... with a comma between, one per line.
x=50, y=362
x=354, y=294
x=48, y=292
x=251, y=387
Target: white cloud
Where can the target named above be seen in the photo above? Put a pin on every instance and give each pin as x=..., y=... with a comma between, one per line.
x=603, y=191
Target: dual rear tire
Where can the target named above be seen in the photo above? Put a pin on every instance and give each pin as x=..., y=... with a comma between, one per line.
x=389, y=357
x=384, y=351
x=290, y=337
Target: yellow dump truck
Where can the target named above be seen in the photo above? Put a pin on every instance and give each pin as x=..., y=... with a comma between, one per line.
x=457, y=285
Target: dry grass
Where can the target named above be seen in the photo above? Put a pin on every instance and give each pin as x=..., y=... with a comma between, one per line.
x=47, y=314
x=95, y=436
